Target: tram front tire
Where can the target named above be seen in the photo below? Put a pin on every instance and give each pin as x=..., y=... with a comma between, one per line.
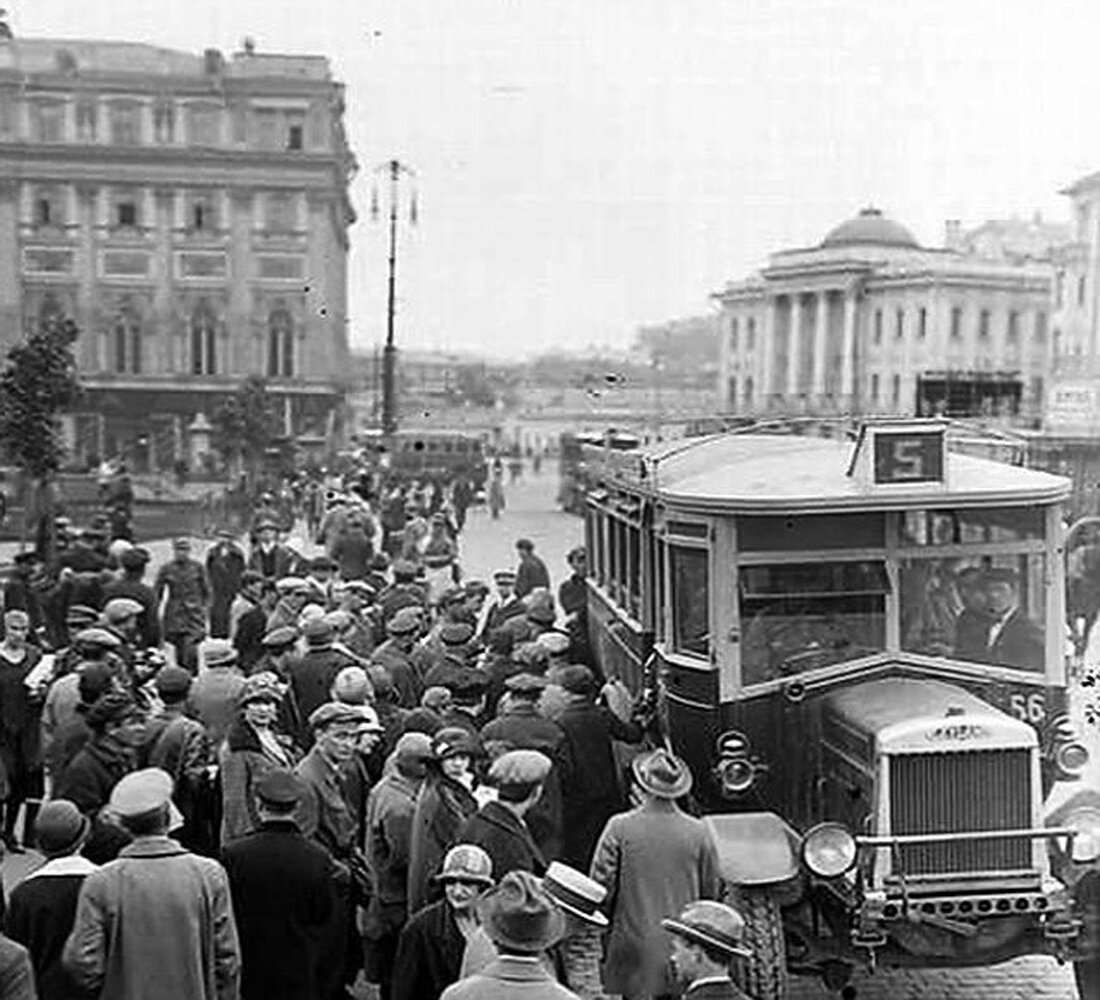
x=763, y=976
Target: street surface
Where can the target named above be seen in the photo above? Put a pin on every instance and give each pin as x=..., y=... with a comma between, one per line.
x=487, y=545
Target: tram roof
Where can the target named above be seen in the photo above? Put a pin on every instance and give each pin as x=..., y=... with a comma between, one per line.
x=777, y=472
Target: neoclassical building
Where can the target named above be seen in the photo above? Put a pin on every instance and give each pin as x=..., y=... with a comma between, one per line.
x=869, y=321
x=191, y=213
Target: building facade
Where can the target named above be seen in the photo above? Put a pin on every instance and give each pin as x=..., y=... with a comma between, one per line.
x=191, y=214
x=871, y=322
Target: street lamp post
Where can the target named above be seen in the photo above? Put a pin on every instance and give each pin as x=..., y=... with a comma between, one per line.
x=395, y=170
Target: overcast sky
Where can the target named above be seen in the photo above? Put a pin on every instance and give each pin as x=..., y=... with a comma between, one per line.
x=587, y=166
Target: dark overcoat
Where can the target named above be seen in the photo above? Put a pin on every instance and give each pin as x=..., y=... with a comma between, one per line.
x=429, y=954
x=505, y=838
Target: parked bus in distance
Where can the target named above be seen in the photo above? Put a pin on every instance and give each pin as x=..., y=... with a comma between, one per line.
x=425, y=453
x=857, y=643
x=576, y=453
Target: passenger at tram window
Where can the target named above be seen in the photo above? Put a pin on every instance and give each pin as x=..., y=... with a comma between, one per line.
x=1009, y=638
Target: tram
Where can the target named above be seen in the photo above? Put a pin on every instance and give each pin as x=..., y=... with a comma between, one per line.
x=577, y=453
x=416, y=453
x=858, y=647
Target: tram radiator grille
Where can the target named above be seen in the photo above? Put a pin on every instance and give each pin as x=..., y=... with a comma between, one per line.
x=962, y=792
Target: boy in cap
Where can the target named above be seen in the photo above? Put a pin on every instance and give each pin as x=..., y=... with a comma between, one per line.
x=158, y=916
x=42, y=907
x=707, y=938
x=183, y=587
x=500, y=827
x=522, y=921
x=433, y=942
x=282, y=888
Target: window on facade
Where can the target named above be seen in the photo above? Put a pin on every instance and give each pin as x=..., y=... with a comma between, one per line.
x=164, y=121
x=267, y=129
x=895, y=391
x=1037, y=391
x=1059, y=288
x=1040, y=327
x=279, y=213
x=204, y=121
x=48, y=121
x=899, y=329
x=733, y=335
x=126, y=212
x=201, y=215
x=8, y=105
x=126, y=338
x=731, y=389
x=294, y=137
x=983, y=324
x=748, y=391
x=1012, y=332
x=750, y=334
x=878, y=326
x=125, y=124
x=280, y=343
x=87, y=114
x=956, y=323
x=204, y=340
x=874, y=388
x=690, y=601
x=922, y=323
x=1081, y=290
x=48, y=209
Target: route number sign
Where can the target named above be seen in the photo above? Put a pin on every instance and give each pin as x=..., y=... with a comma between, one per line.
x=911, y=457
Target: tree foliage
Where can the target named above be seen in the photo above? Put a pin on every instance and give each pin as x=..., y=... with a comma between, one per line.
x=245, y=425
x=37, y=383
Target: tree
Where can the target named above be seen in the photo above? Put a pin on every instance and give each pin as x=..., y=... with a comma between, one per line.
x=37, y=383
x=245, y=426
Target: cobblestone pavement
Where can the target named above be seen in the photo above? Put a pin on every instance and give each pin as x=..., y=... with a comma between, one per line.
x=487, y=545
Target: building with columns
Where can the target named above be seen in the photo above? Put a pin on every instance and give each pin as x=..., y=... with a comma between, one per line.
x=871, y=322
x=190, y=213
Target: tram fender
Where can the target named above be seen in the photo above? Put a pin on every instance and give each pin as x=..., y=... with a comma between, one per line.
x=754, y=848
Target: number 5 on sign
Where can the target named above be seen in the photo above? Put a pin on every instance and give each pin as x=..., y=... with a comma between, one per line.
x=1028, y=708
x=908, y=459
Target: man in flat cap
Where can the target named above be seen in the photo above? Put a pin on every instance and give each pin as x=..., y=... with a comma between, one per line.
x=158, y=920
x=225, y=565
x=248, y=615
x=325, y=816
x=181, y=584
x=283, y=897
x=707, y=939
x=312, y=673
x=504, y=604
x=390, y=809
x=292, y=594
x=500, y=827
x=404, y=592
x=401, y=658
x=132, y=584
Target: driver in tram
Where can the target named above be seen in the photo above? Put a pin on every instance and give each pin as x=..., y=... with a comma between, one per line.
x=1008, y=637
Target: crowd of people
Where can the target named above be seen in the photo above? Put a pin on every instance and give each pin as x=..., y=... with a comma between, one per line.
x=270, y=776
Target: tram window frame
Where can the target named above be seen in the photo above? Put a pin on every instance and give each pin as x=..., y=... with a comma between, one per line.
x=677, y=549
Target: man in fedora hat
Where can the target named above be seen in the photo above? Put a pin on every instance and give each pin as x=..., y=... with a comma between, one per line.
x=42, y=907
x=707, y=937
x=181, y=584
x=523, y=921
x=653, y=861
x=283, y=898
x=158, y=920
x=433, y=942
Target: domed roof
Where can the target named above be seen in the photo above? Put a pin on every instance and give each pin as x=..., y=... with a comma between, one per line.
x=870, y=226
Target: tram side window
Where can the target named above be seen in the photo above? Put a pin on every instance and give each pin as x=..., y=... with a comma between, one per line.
x=800, y=616
x=624, y=565
x=690, y=601
x=986, y=609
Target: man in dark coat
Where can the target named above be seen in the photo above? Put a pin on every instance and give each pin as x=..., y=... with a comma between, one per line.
x=531, y=572
x=184, y=581
x=401, y=659
x=133, y=585
x=225, y=566
x=312, y=674
x=269, y=556
x=707, y=938
x=282, y=890
x=499, y=827
x=1009, y=638
x=591, y=790
x=433, y=942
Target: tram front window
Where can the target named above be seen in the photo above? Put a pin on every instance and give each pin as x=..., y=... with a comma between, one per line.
x=986, y=609
x=800, y=616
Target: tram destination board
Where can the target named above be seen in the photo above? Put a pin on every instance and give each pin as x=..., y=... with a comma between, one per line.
x=916, y=456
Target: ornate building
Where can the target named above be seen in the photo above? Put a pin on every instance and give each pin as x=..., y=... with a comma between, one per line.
x=869, y=321
x=191, y=214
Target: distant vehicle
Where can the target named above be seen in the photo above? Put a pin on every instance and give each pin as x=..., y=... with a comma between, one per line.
x=424, y=453
x=577, y=451
x=859, y=647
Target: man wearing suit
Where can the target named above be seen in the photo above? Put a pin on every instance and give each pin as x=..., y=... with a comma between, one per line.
x=707, y=937
x=503, y=605
x=282, y=888
x=1010, y=638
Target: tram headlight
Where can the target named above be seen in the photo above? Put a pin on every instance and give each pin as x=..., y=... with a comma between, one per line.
x=829, y=850
x=1071, y=758
x=1085, y=822
x=736, y=775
